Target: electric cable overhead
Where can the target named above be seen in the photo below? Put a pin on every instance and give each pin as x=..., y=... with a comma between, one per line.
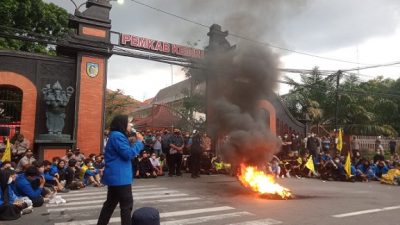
x=246, y=38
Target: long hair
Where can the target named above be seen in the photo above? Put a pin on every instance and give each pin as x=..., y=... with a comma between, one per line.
x=119, y=123
x=4, y=176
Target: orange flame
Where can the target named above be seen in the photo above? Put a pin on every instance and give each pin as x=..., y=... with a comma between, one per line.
x=260, y=182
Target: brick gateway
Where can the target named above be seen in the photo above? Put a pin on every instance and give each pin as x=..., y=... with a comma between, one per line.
x=81, y=63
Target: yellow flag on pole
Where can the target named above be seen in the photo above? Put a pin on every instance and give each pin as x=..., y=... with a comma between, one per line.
x=339, y=144
x=310, y=164
x=7, y=152
x=347, y=165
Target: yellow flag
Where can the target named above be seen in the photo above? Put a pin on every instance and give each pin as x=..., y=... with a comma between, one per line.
x=7, y=152
x=339, y=144
x=347, y=165
x=310, y=164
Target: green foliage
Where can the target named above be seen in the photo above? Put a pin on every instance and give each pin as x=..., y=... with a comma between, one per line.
x=194, y=101
x=32, y=16
x=365, y=108
x=117, y=103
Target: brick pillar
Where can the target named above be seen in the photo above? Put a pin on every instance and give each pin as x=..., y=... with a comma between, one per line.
x=91, y=104
x=91, y=46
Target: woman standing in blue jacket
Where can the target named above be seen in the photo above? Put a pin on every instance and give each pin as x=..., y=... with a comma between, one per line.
x=118, y=155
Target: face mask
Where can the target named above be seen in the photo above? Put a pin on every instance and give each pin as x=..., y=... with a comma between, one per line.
x=90, y=164
x=285, y=136
x=10, y=180
x=337, y=161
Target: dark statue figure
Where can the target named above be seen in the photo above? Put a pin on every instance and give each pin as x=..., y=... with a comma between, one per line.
x=56, y=100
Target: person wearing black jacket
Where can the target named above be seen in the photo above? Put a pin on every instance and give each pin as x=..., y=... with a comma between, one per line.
x=174, y=159
x=146, y=169
x=195, y=155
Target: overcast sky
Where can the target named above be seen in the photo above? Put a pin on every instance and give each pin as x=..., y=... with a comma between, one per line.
x=364, y=31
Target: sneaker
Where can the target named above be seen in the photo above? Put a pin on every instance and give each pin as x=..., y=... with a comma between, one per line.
x=64, y=190
x=27, y=210
x=287, y=175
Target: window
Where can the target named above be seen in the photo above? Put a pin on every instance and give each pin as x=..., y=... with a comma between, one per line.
x=10, y=104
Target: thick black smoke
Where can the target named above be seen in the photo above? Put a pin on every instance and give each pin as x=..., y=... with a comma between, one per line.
x=243, y=77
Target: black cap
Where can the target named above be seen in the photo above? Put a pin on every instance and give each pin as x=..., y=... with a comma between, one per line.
x=146, y=216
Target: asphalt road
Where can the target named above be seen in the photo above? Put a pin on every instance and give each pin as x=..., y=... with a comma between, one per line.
x=222, y=200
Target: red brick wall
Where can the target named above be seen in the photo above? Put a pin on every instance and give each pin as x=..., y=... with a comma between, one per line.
x=90, y=31
x=48, y=154
x=264, y=104
x=90, y=115
x=29, y=93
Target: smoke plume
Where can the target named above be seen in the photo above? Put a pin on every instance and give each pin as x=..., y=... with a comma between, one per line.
x=240, y=79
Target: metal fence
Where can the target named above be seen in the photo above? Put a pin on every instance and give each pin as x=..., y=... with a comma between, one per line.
x=369, y=142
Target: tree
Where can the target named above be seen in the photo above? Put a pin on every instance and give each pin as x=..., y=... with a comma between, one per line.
x=194, y=101
x=365, y=108
x=314, y=96
x=24, y=17
x=117, y=103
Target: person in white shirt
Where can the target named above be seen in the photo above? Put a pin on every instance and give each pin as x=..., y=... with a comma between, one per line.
x=156, y=164
x=157, y=144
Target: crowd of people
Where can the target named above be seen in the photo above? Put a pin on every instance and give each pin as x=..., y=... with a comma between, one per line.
x=170, y=153
x=329, y=163
x=26, y=182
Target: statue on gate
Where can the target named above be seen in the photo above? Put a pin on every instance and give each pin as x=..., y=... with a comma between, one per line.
x=56, y=100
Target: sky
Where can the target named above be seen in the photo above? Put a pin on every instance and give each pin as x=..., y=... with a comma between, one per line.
x=366, y=32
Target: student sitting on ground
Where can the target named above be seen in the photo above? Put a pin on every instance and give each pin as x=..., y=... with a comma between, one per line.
x=89, y=175
x=54, y=167
x=380, y=169
x=274, y=167
x=47, y=192
x=24, y=186
x=156, y=164
x=61, y=167
x=163, y=162
x=99, y=164
x=146, y=169
x=10, y=211
x=392, y=176
x=72, y=176
x=365, y=172
x=11, y=207
x=52, y=178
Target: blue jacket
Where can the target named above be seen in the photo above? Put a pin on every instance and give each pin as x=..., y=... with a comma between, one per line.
x=47, y=176
x=53, y=170
x=11, y=196
x=24, y=188
x=1, y=197
x=118, y=159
